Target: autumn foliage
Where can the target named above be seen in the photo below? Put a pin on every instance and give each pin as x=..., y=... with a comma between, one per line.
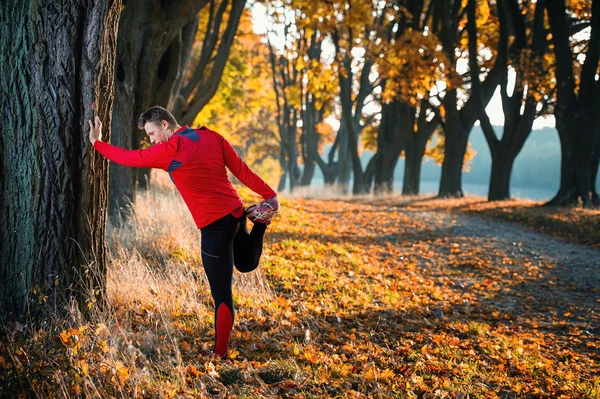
x=395, y=298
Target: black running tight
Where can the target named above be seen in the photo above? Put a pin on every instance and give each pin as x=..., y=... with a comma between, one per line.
x=224, y=243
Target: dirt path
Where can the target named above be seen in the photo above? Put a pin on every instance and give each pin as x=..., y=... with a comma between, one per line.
x=561, y=280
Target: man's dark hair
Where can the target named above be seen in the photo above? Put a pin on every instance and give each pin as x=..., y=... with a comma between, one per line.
x=156, y=114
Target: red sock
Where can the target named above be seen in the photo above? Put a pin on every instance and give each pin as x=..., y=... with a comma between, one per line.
x=223, y=325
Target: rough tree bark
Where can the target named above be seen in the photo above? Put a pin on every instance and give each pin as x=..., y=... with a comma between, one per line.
x=56, y=59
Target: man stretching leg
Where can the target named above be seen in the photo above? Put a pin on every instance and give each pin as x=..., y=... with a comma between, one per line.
x=196, y=160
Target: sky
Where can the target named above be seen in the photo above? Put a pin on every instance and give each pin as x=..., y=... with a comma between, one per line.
x=493, y=109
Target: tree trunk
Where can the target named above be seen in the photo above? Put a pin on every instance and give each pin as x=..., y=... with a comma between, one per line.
x=412, y=168
x=283, y=165
x=344, y=161
x=594, y=175
x=568, y=192
x=311, y=117
x=143, y=178
x=308, y=172
x=414, y=150
x=390, y=144
x=291, y=147
x=502, y=164
x=370, y=172
x=332, y=172
x=455, y=148
x=574, y=110
x=57, y=59
x=122, y=182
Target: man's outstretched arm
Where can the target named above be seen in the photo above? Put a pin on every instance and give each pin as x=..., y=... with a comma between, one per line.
x=240, y=170
x=158, y=156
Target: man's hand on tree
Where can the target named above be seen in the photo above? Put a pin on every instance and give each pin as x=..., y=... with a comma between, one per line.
x=95, y=130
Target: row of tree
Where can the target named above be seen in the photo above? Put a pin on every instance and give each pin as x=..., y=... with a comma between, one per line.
x=434, y=66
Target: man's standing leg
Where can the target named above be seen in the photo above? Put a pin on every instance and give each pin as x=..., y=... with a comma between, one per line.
x=217, y=259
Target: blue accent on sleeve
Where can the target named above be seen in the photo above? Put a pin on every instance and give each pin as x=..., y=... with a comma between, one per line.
x=174, y=165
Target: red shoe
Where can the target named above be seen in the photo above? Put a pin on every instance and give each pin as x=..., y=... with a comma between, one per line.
x=263, y=212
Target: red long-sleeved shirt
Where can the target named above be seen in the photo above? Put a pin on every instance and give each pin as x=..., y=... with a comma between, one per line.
x=196, y=160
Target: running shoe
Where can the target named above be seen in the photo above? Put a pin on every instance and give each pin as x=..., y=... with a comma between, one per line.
x=263, y=212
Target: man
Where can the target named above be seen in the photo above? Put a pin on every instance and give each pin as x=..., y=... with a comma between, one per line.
x=196, y=160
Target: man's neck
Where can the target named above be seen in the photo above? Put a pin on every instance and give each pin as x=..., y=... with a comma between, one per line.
x=173, y=130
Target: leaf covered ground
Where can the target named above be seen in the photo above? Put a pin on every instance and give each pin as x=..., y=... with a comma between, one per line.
x=352, y=299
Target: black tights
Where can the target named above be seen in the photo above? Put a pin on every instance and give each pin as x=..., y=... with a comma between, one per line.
x=224, y=243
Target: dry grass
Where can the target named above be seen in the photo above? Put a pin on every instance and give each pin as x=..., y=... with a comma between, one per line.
x=158, y=298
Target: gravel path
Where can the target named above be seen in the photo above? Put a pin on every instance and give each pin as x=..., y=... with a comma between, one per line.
x=568, y=281
x=574, y=262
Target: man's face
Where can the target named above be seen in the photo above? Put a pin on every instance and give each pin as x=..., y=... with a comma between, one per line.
x=157, y=131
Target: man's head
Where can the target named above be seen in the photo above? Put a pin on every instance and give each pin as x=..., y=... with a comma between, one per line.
x=158, y=123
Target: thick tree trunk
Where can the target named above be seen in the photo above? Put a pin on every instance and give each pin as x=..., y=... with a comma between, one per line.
x=344, y=162
x=594, y=175
x=390, y=144
x=308, y=172
x=56, y=59
x=502, y=164
x=283, y=165
x=412, y=168
x=455, y=148
x=568, y=192
x=384, y=180
x=414, y=152
x=122, y=182
x=574, y=111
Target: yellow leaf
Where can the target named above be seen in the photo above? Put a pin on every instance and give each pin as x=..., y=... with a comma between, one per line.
x=122, y=372
x=103, y=346
x=370, y=374
x=65, y=338
x=310, y=356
